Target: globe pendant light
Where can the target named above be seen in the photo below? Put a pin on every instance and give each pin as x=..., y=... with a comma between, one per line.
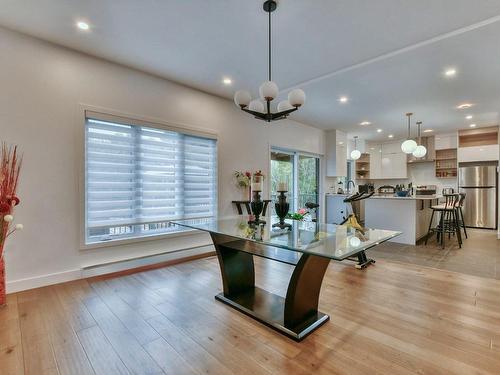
x=355, y=154
x=409, y=145
x=268, y=91
x=420, y=151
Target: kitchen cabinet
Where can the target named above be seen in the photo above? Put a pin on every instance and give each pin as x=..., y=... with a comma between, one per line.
x=445, y=141
x=336, y=153
x=375, y=151
x=394, y=165
x=478, y=153
x=387, y=161
x=391, y=148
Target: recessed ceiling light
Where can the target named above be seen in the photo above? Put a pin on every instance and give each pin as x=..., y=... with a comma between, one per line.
x=472, y=125
x=341, y=143
x=82, y=25
x=227, y=81
x=464, y=106
x=379, y=130
x=468, y=117
x=343, y=99
x=365, y=123
x=390, y=135
x=428, y=130
x=450, y=72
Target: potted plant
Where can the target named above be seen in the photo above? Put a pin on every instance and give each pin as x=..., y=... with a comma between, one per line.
x=10, y=166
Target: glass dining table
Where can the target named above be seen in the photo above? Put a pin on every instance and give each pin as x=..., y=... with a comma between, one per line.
x=308, y=246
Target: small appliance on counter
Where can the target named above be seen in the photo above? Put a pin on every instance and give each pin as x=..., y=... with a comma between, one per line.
x=426, y=190
x=386, y=190
x=366, y=188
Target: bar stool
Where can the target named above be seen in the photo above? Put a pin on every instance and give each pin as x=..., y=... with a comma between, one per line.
x=460, y=213
x=448, y=220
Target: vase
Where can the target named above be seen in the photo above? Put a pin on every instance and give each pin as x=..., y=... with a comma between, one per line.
x=3, y=295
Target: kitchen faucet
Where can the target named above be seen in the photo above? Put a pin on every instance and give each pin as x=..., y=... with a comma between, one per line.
x=353, y=186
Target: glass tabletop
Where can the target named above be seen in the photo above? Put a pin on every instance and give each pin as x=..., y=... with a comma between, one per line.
x=332, y=241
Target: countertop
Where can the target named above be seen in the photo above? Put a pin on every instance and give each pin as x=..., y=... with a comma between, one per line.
x=414, y=197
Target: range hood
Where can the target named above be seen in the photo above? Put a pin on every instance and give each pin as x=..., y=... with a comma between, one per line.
x=428, y=142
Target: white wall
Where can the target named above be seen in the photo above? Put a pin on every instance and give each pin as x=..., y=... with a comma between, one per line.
x=42, y=87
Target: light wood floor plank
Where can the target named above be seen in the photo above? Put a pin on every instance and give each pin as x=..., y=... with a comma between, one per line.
x=392, y=318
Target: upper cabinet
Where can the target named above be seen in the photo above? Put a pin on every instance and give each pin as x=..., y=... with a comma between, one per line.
x=336, y=153
x=478, y=145
x=445, y=141
x=387, y=161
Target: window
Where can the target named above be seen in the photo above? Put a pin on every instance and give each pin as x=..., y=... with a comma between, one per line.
x=302, y=173
x=138, y=177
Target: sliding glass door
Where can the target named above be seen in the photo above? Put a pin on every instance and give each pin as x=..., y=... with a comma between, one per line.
x=301, y=171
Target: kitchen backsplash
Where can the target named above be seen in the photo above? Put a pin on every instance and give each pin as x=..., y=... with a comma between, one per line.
x=418, y=174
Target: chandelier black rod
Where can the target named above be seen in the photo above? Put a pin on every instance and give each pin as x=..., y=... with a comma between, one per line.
x=269, y=37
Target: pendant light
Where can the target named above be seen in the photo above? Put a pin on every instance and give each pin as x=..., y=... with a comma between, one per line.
x=420, y=151
x=261, y=108
x=355, y=154
x=409, y=145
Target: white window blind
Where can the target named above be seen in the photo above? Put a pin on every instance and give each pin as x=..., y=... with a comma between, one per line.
x=139, y=177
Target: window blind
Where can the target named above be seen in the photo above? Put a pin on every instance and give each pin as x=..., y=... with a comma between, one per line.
x=139, y=177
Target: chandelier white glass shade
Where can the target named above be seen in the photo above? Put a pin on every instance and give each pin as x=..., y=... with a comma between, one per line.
x=268, y=91
x=409, y=145
x=355, y=154
x=420, y=151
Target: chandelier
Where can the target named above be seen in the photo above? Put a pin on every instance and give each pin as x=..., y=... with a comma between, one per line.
x=409, y=145
x=420, y=151
x=261, y=108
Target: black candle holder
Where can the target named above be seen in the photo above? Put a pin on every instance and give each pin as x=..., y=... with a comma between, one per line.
x=257, y=206
x=282, y=207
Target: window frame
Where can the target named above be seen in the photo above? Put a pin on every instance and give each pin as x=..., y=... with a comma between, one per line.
x=85, y=111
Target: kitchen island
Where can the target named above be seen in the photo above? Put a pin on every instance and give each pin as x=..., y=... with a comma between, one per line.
x=409, y=215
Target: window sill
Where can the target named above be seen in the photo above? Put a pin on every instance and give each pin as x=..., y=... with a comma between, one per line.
x=128, y=241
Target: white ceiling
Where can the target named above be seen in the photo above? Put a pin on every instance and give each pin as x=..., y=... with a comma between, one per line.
x=387, y=56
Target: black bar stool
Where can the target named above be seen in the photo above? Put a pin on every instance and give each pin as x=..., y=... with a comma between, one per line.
x=460, y=213
x=448, y=220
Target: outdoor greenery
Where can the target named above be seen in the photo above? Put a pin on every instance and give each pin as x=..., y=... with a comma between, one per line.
x=282, y=170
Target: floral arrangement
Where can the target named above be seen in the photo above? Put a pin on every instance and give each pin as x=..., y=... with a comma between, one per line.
x=10, y=166
x=243, y=179
x=299, y=215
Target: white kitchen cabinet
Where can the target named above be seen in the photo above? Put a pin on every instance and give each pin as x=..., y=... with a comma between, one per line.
x=391, y=148
x=445, y=141
x=394, y=165
x=336, y=153
x=478, y=153
x=375, y=151
x=387, y=161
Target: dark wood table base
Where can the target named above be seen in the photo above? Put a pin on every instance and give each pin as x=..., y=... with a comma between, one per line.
x=295, y=315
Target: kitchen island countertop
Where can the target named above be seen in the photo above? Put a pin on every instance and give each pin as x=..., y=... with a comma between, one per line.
x=413, y=197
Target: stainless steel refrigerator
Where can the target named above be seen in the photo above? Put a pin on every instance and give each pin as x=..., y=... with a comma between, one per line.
x=479, y=183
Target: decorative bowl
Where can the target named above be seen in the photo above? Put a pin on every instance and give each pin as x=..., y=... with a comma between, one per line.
x=402, y=193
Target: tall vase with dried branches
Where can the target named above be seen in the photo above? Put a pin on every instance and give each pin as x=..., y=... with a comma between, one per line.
x=10, y=166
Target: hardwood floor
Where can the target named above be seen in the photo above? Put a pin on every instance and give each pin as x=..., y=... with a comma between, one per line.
x=479, y=255
x=389, y=319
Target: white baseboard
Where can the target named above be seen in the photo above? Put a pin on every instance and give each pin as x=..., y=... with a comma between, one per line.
x=126, y=264
x=101, y=269
x=43, y=280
